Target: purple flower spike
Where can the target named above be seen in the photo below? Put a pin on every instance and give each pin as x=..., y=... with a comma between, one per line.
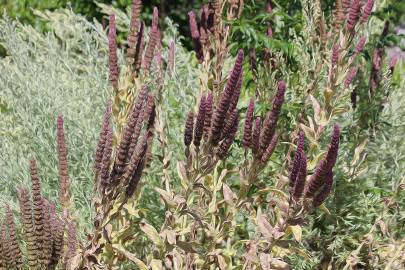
x=199, y=124
x=188, y=130
x=300, y=180
x=247, y=132
x=325, y=191
x=270, y=123
x=367, y=11
x=354, y=14
x=335, y=54
x=350, y=76
x=297, y=159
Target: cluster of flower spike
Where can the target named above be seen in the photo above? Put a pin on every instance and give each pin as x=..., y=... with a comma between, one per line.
x=218, y=126
x=201, y=31
x=131, y=153
x=260, y=136
x=356, y=13
x=137, y=55
x=320, y=183
x=352, y=12
x=63, y=167
x=42, y=230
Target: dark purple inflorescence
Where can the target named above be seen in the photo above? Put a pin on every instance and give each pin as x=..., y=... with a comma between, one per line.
x=324, y=168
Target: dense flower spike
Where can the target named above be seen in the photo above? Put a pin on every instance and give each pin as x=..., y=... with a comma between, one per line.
x=350, y=76
x=112, y=46
x=227, y=142
x=102, y=137
x=188, y=130
x=137, y=164
x=332, y=154
x=256, y=137
x=299, y=184
x=146, y=114
x=367, y=11
x=354, y=14
x=135, y=160
x=208, y=115
x=325, y=191
x=270, y=149
x=269, y=124
x=37, y=205
x=225, y=99
x=247, y=132
x=140, y=44
x=128, y=131
x=6, y=256
x=317, y=180
x=150, y=112
x=297, y=159
x=195, y=35
x=199, y=124
x=335, y=54
x=47, y=241
x=339, y=15
x=360, y=45
x=15, y=251
x=150, y=49
x=153, y=41
x=229, y=123
x=63, y=167
x=235, y=96
x=72, y=242
x=57, y=235
x=133, y=30
x=105, y=164
x=28, y=226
